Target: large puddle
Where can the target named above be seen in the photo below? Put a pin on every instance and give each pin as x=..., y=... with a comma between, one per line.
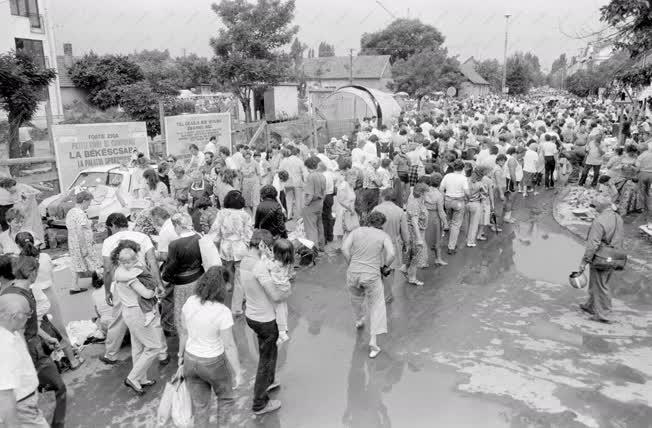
x=543, y=255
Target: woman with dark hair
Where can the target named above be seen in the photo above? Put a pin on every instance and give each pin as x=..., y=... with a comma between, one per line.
x=25, y=271
x=7, y=199
x=224, y=185
x=208, y=348
x=203, y=214
x=154, y=190
x=269, y=215
x=81, y=241
x=232, y=230
x=47, y=301
x=163, y=172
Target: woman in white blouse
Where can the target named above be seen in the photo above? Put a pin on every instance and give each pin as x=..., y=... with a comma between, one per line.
x=207, y=353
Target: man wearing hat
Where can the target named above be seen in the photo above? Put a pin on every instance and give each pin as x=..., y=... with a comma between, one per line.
x=607, y=229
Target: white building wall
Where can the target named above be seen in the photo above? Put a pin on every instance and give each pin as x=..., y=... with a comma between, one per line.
x=12, y=27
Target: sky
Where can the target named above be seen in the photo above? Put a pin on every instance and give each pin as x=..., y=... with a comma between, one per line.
x=471, y=27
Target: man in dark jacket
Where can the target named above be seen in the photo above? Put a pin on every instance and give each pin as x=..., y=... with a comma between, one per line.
x=607, y=228
x=269, y=214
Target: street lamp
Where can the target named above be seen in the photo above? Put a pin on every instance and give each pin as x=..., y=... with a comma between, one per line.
x=504, y=88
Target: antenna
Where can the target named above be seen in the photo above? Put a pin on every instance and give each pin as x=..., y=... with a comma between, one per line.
x=386, y=10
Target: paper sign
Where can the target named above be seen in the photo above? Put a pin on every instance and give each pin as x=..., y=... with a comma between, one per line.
x=82, y=146
x=184, y=130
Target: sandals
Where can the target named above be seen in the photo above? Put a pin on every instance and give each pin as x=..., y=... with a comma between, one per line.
x=416, y=282
x=373, y=351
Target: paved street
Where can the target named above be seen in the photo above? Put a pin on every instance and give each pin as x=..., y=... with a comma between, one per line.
x=495, y=339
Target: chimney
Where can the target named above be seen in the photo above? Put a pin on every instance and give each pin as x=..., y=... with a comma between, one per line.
x=67, y=54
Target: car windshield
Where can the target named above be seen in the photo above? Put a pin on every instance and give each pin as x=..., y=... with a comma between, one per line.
x=94, y=179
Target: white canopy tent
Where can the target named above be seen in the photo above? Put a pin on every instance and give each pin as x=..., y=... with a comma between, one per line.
x=358, y=102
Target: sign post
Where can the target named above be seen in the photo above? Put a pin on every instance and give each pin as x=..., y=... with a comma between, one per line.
x=184, y=130
x=81, y=146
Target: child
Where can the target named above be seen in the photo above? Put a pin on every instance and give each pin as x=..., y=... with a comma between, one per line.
x=564, y=170
x=280, y=266
x=384, y=173
x=102, y=309
x=128, y=271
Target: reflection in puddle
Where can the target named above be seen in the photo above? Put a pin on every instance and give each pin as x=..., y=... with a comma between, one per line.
x=544, y=255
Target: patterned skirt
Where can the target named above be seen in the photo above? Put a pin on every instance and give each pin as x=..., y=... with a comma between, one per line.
x=181, y=294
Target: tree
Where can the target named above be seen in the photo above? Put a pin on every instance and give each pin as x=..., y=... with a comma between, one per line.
x=425, y=72
x=587, y=82
x=247, y=51
x=402, y=38
x=631, y=21
x=101, y=75
x=557, y=73
x=22, y=83
x=195, y=71
x=492, y=71
x=325, y=50
x=519, y=78
x=160, y=70
x=296, y=52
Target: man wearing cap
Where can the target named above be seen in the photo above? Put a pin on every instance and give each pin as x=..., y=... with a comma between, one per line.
x=607, y=229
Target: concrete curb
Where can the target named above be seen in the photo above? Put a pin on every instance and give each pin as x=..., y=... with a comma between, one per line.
x=555, y=215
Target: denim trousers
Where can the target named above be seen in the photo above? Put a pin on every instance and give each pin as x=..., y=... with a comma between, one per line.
x=203, y=375
x=369, y=287
x=50, y=380
x=267, y=334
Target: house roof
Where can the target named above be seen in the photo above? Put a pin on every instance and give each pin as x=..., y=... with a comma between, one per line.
x=64, y=77
x=469, y=72
x=337, y=67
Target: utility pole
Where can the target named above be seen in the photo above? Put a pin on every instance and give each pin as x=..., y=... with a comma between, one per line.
x=504, y=87
x=351, y=66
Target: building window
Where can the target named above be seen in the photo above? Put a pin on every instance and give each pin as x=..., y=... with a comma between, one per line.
x=33, y=48
x=27, y=8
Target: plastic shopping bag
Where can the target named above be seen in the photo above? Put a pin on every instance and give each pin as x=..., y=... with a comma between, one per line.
x=209, y=255
x=165, y=407
x=181, y=406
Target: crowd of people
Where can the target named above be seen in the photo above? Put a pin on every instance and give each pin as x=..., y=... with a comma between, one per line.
x=394, y=198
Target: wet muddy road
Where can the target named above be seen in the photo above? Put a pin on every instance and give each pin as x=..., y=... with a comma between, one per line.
x=494, y=339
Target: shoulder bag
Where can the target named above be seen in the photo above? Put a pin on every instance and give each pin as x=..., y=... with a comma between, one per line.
x=607, y=257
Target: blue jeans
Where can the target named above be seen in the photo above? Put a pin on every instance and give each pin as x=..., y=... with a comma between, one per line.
x=455, y=211
x=202, y=375
x=267, y=333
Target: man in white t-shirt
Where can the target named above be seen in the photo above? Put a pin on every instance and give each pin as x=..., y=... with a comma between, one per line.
x=119, y=226
x=530, y=167
x=18, y=382
x=455, y=187
x=549, y=150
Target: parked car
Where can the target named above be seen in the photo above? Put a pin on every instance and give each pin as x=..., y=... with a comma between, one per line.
x=111, y=189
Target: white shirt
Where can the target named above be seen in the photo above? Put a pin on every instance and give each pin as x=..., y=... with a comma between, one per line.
x=210, y=147
x=358, y=157
x=530, y=161
x=330, y=182
x=425, y=128
x=18, y=372
x=231, y=163
x=166, y=235
x=370, y=150
x=111, y=243
x=549, y=148
x=385, y=177
x=203, y=323
x=454, y=185
x=328, y=163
